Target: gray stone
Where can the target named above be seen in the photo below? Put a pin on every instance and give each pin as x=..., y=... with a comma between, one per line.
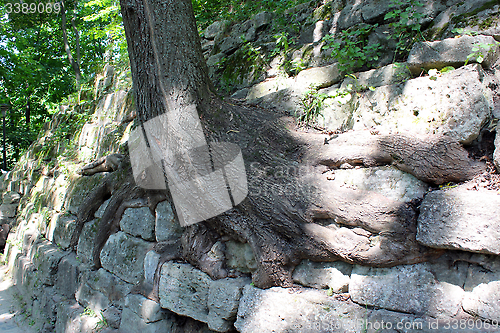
x=100, y=212
x=92, y=299
x=132, y=323
x=319, y=77
x=456, y=104
x=240, y=257
x=460, y=219
x=138, y=222
x=114, y=288
x=123, y=255
x=303, y=310
x=223, y=300
x=68, y=276
x=46, y=257
x=214, y=29
x=484, y=301
x=214, y=61
x=183, y=289
x=409, y=288
x=112, y=316
x=61, y=229
x=496, y=155
x=166, y=225
x=10, y=197
x=261, y=20
x=319, y=275
x=147, y=309
x=86, y=241
x=8, y=210
x=230, y=44
x=241, y=94
x=71, y=319
x=151, y=262
x=452, y=52
x=390, y=74
x=481, y=269
x=388, y=181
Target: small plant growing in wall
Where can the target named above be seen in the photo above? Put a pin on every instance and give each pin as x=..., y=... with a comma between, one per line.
x=352, y=50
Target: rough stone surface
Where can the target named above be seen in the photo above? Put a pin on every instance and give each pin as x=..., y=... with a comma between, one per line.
x=8, y=210
x=138, y=222
x=45, y=258
x=460, y=219
x=184, y=289
x=214, y=29
x=147, y=309
x=90, y=298
x=484, y=301
x=496, y=155
x=390, y=74
x=166, y=225
x=457, y=104
x=388, y=181
x=132, y=323
x=223, y=300
x=410, y=289
x=151, y=262
x=68, y=275
x=320, y=275
x=70, y=319
x=114, y=288
x=86, y=241
x=60, y=229
x=319, y=77
x=240, y=257
x=451, y=52
x=123, y=255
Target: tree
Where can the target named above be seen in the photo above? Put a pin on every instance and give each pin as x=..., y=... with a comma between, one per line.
x=292, y=211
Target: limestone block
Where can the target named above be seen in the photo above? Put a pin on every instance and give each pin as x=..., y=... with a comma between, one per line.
x=90, y=298
x=320, y=77
x=68, y=275
x=114, y=288
x=46, y=257
x=214, y=29
x=8, y=210
x=184, y=290
x=460, y=219
x=138, y=222
x=390, y=74
x=223, y=300
x=484, y=301
x=409, y=288
x=10, y=198
x=319, y=275
x=123, y=255
x=71, y=319
x=240, y=257
x=86, y=241
x=452, y=52
x=167, y=226
x=132, y=323
x=147, y=309
x=61, y=229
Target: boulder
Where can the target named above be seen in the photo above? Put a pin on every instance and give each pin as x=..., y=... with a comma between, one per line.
x=138, y=222
x=457, y=104
x=108, y=284
x=148, y=310
x=86, y=241
x=387, y=75
x=45, y=257
x=460, y=219
x=453, y=52
x=409, y=289
x=319, y=77
x=68, y=276
x=123, y=255
x=61, y=229
x=71, y=318
x=131, y=322
x=214, y=29
x=320, y=275
x=91, y=298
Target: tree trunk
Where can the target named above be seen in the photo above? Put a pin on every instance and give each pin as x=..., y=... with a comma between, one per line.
x=74, y=64
x=291, y=212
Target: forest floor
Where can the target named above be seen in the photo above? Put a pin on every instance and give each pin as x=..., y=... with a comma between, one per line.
x=11, y=320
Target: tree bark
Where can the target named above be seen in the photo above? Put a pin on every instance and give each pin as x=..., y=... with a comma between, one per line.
x=74, y=64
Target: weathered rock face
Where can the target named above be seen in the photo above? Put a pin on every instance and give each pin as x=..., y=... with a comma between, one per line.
x=410, y=289
x=123, y=255
x=320, y=275
x=138, y=222
x=461, y=219
x=453, y=52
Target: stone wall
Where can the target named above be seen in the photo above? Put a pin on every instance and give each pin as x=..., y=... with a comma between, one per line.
x=457, y=291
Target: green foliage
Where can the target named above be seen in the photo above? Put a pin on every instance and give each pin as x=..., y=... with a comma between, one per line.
x=480, y=51
x=313, y=103
x=463, y=31
x=352, y=50
x=406, y=22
